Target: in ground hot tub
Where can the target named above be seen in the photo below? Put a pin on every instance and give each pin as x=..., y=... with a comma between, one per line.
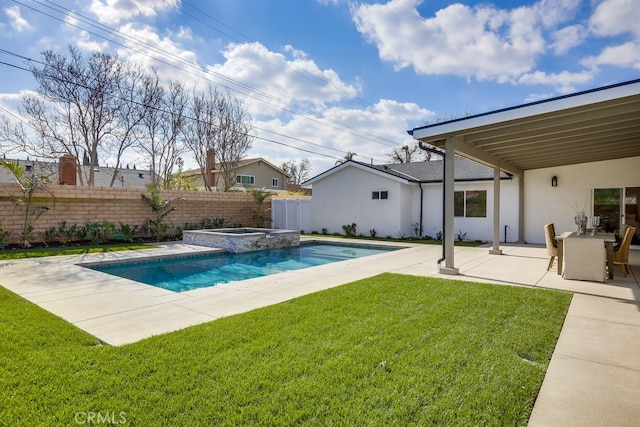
x=242, y=239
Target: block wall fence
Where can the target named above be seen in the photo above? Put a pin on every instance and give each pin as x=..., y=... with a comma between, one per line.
x=79, y=205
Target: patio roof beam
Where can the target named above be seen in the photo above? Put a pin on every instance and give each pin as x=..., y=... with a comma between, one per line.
x=547, y=123
x=471, y=152
x=622, y=123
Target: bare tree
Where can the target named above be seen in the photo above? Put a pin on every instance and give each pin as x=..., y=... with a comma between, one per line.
x=298, y=173
x=199, y=132
x=161, y=127
x=406, y=154
x=129, y=113
x=220, y=123
x=83, y=106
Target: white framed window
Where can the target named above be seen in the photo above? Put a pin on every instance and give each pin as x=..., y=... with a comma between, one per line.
x=245, y=179
x=379, y=195
x=470, y=204
x=275, y=182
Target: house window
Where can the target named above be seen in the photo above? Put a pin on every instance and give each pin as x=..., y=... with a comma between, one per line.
x=275, y=183
x=379, y=195
x=470, y=204
x=245, y=179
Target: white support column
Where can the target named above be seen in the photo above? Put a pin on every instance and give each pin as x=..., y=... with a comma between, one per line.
x=449, y=231
x=521, y=209
x=495, y=250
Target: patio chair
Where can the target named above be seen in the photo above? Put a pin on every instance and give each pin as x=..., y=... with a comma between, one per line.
x=621, y=254
x=584, y=259
x=552, y=244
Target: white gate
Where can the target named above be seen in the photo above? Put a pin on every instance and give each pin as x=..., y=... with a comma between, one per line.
x=291, y=214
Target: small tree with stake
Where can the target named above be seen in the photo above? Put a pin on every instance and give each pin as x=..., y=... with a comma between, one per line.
x=260, y=212
x=161, y=208
x=30, y=184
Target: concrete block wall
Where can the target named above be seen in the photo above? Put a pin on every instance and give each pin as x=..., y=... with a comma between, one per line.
x=79, y=205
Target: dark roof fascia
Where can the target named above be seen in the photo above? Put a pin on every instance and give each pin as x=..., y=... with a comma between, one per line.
x=542, y=101
x=439, y=181
x=344, y=164
x=407, y=177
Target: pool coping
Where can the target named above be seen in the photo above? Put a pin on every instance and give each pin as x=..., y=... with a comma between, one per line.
x=119, y=311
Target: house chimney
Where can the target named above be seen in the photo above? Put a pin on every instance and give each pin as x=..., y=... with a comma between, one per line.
x=210, y=165
x=67, y=170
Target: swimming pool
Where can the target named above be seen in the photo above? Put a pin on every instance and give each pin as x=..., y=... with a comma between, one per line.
x=198, y=271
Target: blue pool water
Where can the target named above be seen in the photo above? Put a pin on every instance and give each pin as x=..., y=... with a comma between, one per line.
x=199, y=271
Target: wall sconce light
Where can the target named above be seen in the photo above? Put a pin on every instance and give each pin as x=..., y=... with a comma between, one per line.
x=554, y=181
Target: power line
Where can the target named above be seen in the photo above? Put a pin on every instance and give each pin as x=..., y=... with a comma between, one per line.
x=114, y=32
x=190, y=118
x=304, y=74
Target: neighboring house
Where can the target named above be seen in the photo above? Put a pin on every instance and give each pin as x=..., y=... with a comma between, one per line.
x=125, y=178
x=250, y=173
x=398, y=199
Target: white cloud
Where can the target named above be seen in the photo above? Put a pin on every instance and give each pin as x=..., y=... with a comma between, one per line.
x=17, y=22
x=615, y=17
x=563, y=82
x=278, y=80
x=381, y=127
x=480, y=42
x=165, y=54
x=625, y=55
x=86, y=43
x=115, y=11
x=554, y=12
x=567, y=38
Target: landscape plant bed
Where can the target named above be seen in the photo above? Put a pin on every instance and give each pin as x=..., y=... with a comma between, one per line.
x=425, y=241
x=388, y=350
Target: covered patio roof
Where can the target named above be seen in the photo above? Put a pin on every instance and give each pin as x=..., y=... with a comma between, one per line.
x=588, y=126
x=593, y=125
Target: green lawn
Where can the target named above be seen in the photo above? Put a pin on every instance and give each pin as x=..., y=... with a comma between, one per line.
x=389, y=350
x=71, y=250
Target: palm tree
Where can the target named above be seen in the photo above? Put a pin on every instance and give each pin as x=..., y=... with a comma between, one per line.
x=347, y=157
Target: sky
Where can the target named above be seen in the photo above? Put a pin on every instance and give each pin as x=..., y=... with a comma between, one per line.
x=322, y=78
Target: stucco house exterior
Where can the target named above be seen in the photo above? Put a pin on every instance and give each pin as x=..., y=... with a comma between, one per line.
x=574, y=153
x=249, y=173
x=405, y=200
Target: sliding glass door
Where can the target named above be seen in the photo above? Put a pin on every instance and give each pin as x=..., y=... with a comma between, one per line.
x=607, y=203
x=631, y=211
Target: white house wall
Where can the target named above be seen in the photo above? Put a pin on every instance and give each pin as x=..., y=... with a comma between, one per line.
x=546, y=204
x=475, y=228
x=344, y=197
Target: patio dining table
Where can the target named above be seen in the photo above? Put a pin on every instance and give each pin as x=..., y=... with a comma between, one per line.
x=608, y=239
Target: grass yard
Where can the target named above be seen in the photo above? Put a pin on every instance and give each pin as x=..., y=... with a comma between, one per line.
x=70, y=250
x=388, y=350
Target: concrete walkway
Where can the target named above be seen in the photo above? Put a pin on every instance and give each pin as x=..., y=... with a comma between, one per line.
x=593, y=378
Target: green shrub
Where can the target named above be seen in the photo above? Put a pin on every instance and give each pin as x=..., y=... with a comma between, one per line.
x=4, y=237
x=98, y=232
x=125, y=232
x=212, y=223
x=350, y=229
x=62, y=233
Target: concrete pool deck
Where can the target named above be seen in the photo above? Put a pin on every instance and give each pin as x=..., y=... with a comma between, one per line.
x=593, y=378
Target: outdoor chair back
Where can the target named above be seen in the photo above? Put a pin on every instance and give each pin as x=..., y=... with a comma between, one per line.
x=552, y=244
x=621, y=254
